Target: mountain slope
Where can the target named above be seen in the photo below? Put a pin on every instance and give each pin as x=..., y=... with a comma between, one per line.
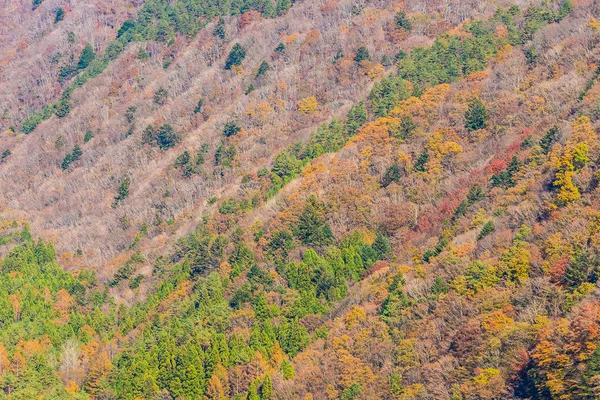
x=400, y=208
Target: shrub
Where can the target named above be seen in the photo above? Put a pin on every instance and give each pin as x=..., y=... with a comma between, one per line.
x=143, y=54
x=183, y=159
x=531, y=55
x=564, y=10
x=338, y=56
x=127, y=269
x=31, y=123
x=66, y=71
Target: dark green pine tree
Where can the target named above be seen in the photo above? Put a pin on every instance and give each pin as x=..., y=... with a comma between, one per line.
x=261, y=308
x=191, y=374
x=312, y=228
x=393, y=305
x=86, y=57
x=292, y=336
x=231, y=129
x=286, y=165
x=475, y=194
x=287, y=369
x=235, y=57
x=476, y=115
x=282, y=6
x=122, y=190
x=421, y=161
x=266, y=390
x=356, y=118
x=402, y=21
x=392, y=174
x=213, y=358
x=166, y=137
x=407, y=126
x=220, y=29
x=564, y=10
x=253, y=390
x=381, y=246
x=76, y=152
x=60, y=15
x=220, y=342
x=583, y=267
x=361, y=54
x=263, y=68
x=548, y=139
x=439, y=286
x=593, y=368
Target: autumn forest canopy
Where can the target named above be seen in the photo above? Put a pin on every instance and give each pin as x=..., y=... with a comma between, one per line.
x=310, y=199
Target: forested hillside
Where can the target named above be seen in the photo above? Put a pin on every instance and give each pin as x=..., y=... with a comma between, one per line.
x=300, y=200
